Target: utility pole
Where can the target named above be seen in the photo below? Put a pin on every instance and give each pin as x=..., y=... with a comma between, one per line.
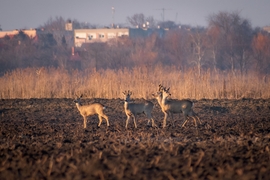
x=176, y=17
x=113, y=10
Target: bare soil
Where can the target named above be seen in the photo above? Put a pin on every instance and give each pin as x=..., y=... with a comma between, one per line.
x=45, y=139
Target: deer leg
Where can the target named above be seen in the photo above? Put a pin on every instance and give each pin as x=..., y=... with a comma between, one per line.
x=149, y=117
x=165, y=118
x=84, y=121
x=127, y=121
x=100, y=120
x=172, y=119
x=107, y=119
x=134, y=119
x=153, y=123
x=148, y=122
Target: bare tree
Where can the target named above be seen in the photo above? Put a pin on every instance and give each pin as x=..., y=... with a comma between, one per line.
x=234, y=37
x=213, y=45
x=243, y=38
x=261, y=52
x=167, y=24
x=54, y=24
x=198, y=39
x=140, y=20
x=176, y=47
x=82, y=25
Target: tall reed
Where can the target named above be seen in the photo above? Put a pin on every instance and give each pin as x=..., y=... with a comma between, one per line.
x=142, y=81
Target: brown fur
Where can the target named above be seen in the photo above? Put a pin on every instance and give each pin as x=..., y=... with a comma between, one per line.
x=92, y=109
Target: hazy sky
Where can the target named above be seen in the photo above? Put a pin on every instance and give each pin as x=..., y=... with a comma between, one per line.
x=24, y=14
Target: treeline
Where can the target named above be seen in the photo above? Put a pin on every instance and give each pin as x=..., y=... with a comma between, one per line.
x=228, y=43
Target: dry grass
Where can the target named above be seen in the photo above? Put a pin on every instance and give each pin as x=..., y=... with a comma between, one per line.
x=142, y=81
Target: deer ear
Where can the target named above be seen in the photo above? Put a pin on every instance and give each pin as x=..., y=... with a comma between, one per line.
x=160, y=87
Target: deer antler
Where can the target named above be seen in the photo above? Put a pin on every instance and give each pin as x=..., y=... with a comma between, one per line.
x=160, y=87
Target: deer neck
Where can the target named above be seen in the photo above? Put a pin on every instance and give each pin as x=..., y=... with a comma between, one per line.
x=159, y=99
x=164, y=100
x=78, y=106
x=126, y=104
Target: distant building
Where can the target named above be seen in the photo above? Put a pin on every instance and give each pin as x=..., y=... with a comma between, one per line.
x=68, y=26
x=82, y=36
x=267, y=28
x=146, y=32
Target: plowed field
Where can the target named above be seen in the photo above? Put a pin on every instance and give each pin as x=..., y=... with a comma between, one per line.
x=45, y=139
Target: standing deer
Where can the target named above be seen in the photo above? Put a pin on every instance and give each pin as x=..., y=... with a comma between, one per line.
x=132, y=109
x=88, y=110
x=177, y=106
x=158, y=97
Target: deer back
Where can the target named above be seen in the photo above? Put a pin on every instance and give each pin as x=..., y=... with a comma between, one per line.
x=137, y=108
x=95, y=108
x=177, y=105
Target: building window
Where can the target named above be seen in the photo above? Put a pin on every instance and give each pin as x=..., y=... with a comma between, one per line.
x=80, y=35
x=111, y=35
x=92, y=36
x=101, y=36
x=121, y=34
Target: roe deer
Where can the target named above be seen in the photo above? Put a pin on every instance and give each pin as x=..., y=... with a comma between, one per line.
x=158, y=97
x=88, y=110
x=177, y=106
x=132, y=109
